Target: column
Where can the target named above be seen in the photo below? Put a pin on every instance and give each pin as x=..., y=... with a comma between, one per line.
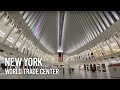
x=97, y=67
x=16, y=40
x=2, y=15
x=116, y=41
x=8, y=22
x=31, y=53
x=109, y=46
x=22, y=44
x=111, y=49
x=6, y=36
x=101, y=67
x=107, y=69
x=85, y=67
x=102, y=49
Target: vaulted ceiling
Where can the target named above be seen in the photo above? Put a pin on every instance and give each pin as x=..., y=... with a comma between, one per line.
x=68, y=31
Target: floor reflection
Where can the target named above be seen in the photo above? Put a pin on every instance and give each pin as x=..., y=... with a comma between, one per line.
x=66, y=75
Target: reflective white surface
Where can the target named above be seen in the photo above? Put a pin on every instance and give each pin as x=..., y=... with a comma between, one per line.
x=66, y=75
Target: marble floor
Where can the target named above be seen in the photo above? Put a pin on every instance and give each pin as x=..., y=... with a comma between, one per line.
x=66, y=75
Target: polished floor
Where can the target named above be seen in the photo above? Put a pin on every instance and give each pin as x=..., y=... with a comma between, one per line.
x=66, y=75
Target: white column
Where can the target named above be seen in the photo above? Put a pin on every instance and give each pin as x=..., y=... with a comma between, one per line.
x=101, y=67
x=108, y=44
x=102, y=49
x=22, y=44
x=2, y=15
x=116, y=39
x=107, y=69
x=6, y=36
x=16, y=40
x=96, y=67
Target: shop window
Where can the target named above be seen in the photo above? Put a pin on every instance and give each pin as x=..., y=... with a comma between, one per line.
x=103, y=68
x=98, y=67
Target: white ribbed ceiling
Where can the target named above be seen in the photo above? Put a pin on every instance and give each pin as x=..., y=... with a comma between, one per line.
x=73, y=29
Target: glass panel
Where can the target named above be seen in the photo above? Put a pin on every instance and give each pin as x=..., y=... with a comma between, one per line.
x=100, y=20
x=115, y=15
x=96, y=22
x=25, y=15
x=113, y=18
x=104, y=18
x=29, y=17
x=109, y=17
